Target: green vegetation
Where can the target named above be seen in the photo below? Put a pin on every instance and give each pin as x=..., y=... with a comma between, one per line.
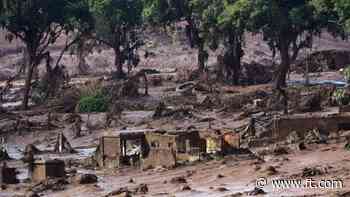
x=118, y=24
x=341, y=97
x=346, y=74
x=93, y=103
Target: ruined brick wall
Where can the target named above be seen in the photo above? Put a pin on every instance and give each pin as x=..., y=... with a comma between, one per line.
x=160, y=157
x=160, y=141
x=231, y=141
x=283, y=127
x=111, y=152
x=43, y=171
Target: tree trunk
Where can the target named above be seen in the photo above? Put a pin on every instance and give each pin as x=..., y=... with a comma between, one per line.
x=201, y=57
x=82, y=65
x=237, y=61
x=81, y=53
x=118, y=63
x=280, y=80
x=27, y=86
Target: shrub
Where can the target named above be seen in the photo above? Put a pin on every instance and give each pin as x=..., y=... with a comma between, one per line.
x=347, y=74
x=341, y=97
x=93, y=103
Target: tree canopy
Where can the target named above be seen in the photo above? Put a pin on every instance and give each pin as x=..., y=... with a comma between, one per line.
x=39, y=23
x=117, y=26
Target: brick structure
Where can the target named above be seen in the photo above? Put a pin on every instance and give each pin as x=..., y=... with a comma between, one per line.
x=118, y=149
x=156, y=148
x=7, y=174
x=169, y=148
x=44, y=169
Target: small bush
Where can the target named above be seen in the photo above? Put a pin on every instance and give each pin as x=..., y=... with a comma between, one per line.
x=94, y=103
x=341, y=97
x=346, y=74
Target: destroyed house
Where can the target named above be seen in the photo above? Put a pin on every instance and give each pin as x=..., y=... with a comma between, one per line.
x=221, y=142
x=124, y=148
x=149, y=148
x=169, y=148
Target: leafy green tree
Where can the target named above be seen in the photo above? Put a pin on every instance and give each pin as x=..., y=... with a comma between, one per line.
x=332, y=16
x=343, y=9
x=117, y=26
x=39, y=23
x=232, y=23
x=288, y=26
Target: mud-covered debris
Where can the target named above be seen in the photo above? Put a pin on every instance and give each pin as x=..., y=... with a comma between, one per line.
x=239, y=194
x=279, y=150
x=71, y=171
x=301, y=146
x=222, y=189
x=310, y=103
x=315, y=136
x=186, y=89
x=310, y=172
x=4, y=155
x=121, y=192
x=190, y=173
x=32, y=148
x=32, y=194
x=293, y=137
x=220, y=176
x=256, y=191
x=178, y=180
x=141, y=189
x=160, y=110
x=342, y=194
x=54, y=184
x=177, y=113
x=85, y=179
x=67, y=102
x=62, y=145
x=186, y=188
x=156, y=80
x=269, y=171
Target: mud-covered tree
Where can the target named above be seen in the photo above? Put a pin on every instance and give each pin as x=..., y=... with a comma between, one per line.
x=118, y=23
x=38, y=24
